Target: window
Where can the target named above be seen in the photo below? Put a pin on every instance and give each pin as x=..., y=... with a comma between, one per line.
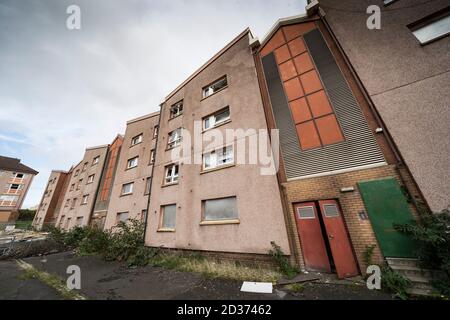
x=85, y=199
x=72, y=187
x=15, y=186
x=79, y=184
x=84, y=167
x=77, y=172
x=216, y=86
x=148, y=184
x=90, y=179
x=168, y=217
x=136, y=140
x=432, y=27
x=132, y=163
x=388, y=2
x=218, y=158
x=17, y=175
x=96, y=160
x=216, y=118
x=8, y=201
x=54, y=181
x=122, y=217
x=143, y=215
x=155, y=132
x=174, y=138
x=176, y=109
x=171, y=174
x=127, y=188
x=79, y=221
x=152, y=156
x=68, y=223
x=220, y=209
x=74, y=202
x=67, y=203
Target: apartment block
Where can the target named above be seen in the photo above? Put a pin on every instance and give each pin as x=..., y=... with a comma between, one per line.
x=79, y=198
x=15, y=180
x=133, y=175
x=51, y=201
x=215, y=204
x=403, y=68
x=343, y=185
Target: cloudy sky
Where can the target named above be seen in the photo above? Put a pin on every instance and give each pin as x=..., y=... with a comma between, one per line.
x=64, y=90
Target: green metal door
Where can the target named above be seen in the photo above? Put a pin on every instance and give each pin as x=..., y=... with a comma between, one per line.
x=386, y=205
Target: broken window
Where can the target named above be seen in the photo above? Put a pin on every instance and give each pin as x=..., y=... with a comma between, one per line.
x=171, y=174
x=216, y=119
x=219, y=157
x=174, y=138
x=176, y=109
x=214, y=87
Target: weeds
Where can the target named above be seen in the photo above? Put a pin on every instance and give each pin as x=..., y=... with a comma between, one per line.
x=295, y=287
x=282, y=262
x=395, y=282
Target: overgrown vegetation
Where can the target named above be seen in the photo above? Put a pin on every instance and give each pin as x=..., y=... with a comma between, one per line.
x=368, y=254
x=126, y=243
x=295, y=287
x=282, y=262
x=26, y=215
x=433, y=238
x=395, y=282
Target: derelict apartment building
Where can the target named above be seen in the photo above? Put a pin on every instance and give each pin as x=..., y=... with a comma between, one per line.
x=15, y=181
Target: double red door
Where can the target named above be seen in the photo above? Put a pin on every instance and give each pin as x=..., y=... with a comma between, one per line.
x=324, y=238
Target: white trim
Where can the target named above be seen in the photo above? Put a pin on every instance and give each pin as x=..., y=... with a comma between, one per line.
x=369, y=166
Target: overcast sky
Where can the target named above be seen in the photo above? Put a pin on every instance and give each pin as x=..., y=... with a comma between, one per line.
x=64, y=90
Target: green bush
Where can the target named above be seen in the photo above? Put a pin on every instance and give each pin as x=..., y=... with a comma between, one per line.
x=281, y=261
x=26, y=215
x=95, y=241
x=395, y=282
x=433, y=238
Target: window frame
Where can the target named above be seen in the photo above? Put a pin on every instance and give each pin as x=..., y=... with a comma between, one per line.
x=122, y=194
x=173, y=143
x=214, y=156
x=140, y=137
x=206, y=88
x=174, y=178
x=96, y=160
x=176, y=106
x=155, y=131
x=148, y=186
x=89, y=180
x=429, y=20
x=204, y=221
x=132, y=159
x=161, y=227
x=152, y=156
x=212, y=119
x=85, y=197
x=120, y=213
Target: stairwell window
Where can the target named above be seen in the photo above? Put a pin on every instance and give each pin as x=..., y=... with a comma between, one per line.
x=85, y=199
x=84, y=167
x=132, y=163
x=96, y=160
x=122, y=217
x=220, y=210
x=155, y=132
x=215, y=87
x=74, y=203
x=171, y=174
x=136, y=140
x=216, y=119
x=168, y=218
x=432, y=27
x=18, y=175
x=218, y=158
x=127, y=188
x=176, y=110
x=174, y=139
x=148, y=183
x=90, y=179
x=152, y=156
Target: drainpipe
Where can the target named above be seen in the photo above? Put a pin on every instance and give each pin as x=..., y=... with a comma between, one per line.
x=372, y=107
x=105, y=163
x=153, y=170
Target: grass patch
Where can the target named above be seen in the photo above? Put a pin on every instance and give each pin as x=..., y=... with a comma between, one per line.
x=215, y=269
x=49, y=279
x=295, y=287
x=24, y=225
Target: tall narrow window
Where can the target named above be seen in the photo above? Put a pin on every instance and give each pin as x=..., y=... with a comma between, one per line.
x=96, y=160
x=79, y=221
x=168, y=218
x=90, y=179
x=152, y=156
x=174, y=138
x=216, y=119
x=136, y=140
x=74, y=203
x=432, y=27
x=215, y=86
x=84, y=167
x=132, y=163
x=85, y=199
x=217, y=158
x=176, y=109
x=127, y=188
x=155, y=131
x=79, y=184
x=171, y=175
x=148, y=183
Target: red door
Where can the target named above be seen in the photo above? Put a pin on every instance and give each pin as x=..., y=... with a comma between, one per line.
x=340, y=245
x=311, y=238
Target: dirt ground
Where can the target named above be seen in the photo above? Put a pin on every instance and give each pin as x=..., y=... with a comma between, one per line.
x=113, y=280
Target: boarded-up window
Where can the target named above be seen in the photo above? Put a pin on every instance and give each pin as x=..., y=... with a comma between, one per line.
x=306, y=213
x=330, y=210
x=220, y=209
x=168, y=216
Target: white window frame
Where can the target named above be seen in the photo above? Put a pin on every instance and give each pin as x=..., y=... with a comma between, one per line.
x=148, y=183
x=176, y=109
x=155, y=131
x=12, y=202
x=137, y=139
x=129, y=192
x=217, y=157
x=96, y=160
x=130, y=162
x=17, y=173
x=171, y=173
x=85, y=199
x=432, y=27
x=210, y=89
x=152, y=156
x=90, y=179
x=212, y=119
x=174, y=139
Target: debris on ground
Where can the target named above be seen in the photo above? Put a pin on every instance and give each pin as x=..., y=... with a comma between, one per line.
x=257, y=287
x=300, y=278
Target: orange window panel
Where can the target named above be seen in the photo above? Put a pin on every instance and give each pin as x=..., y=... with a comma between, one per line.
x=300, y=110
x=295, y=30
x=276, y=41
x=303, y=63
x=287, y=70
x=308, y=136
x=297, y=46
x=319, y=104
x=310, y=81
x=293, y=89
x=329, y=129
x=282, y=54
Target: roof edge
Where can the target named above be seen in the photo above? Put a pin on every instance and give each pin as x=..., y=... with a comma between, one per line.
x=150, y=115
x=97, y=147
